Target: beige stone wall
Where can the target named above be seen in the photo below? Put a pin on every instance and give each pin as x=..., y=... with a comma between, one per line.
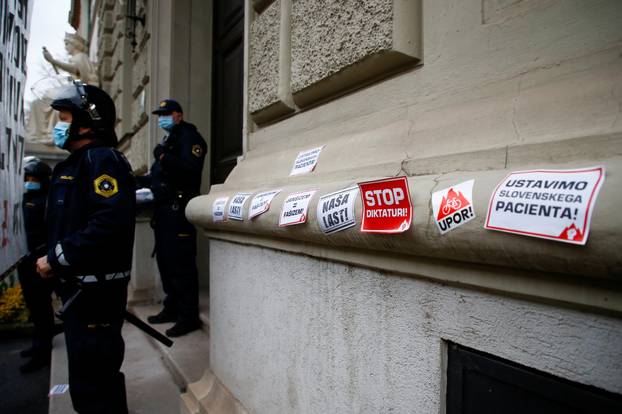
x=499, y=87
x=124, y=70
x=302, y=52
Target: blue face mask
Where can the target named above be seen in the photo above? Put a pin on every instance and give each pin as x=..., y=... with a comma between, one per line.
x=61, y=133
x=32, y=186
x=166, y=122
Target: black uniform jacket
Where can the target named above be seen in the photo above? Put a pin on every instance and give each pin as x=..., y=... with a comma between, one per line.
x=34, y=218
x=90, y=213
x=178, y=173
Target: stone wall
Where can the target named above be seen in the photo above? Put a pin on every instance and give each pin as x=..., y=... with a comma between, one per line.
x=123, y=57
x=304, y=51
x=490, y=98
x=353, y=322
x=293, y=334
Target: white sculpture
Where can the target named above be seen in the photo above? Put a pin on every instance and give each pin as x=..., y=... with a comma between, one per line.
x=42, y=118
x=79, y=65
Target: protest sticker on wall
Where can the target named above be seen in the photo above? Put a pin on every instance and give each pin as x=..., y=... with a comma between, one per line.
x=295, y=208
x=549, y=204
x=218, y=208
x=453, y=206
x=15, y=29
x=237, y=204
x=386, y=206
x=261, y=203
x=335, y=211
x=306, y=161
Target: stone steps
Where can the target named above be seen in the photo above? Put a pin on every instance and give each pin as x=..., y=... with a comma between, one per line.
x=188, y=358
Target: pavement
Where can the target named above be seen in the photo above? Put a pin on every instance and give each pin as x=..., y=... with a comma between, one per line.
x=155, y=376
x=21, y=393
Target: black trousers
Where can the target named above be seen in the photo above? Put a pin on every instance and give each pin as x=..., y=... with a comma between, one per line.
x=176, y=250
x=95, y=348
x=37, y=294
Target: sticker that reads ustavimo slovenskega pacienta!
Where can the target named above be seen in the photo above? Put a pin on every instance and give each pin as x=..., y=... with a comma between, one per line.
x=386, y=206
x=452, y=207
x=295, y=208
x=306, y=161
x=335, y=211
x=237, y=205
x=218, y=209
x=549, y=204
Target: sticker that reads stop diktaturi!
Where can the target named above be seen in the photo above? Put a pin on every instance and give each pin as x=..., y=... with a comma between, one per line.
x=386, y=206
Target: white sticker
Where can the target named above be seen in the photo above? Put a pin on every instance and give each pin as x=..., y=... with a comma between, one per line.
x=237, y=205
x=59, y=389
x=261, y=203
x=453, y=206
x=549, y=204
x=335, y=211
x=305, y=161
x=218, y=208
x=295, y=208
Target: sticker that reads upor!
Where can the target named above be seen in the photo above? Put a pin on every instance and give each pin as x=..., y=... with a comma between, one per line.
x=452, y=207
x=386, y=206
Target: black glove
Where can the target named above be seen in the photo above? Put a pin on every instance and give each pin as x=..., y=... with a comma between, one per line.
x=157, y=151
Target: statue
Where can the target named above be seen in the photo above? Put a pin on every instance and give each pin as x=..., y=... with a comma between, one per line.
x=79, y=65
x=41, y=117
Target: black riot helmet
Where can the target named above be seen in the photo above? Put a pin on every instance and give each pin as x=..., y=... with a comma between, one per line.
x=90, y=107
x=34, y=167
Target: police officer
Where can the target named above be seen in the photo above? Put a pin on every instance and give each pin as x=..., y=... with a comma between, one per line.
x=90, y=239
x=175, y=179
x=37, y=292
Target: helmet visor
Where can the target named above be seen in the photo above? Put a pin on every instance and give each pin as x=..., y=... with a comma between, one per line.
x=70, y=96
x=45, y=89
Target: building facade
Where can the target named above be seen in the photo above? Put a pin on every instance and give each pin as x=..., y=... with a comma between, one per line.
x=439, y=92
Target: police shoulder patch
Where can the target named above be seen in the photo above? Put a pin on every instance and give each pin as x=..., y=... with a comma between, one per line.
x=106, y=186
x=197, y=151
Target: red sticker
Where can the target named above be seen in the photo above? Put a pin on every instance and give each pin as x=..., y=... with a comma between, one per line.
x=386, y=206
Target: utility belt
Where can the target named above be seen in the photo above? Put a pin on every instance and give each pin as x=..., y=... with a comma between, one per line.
x=175, y=200
x=100, y=278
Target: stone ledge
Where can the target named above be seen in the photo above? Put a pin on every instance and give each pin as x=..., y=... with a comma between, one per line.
x=600, y=258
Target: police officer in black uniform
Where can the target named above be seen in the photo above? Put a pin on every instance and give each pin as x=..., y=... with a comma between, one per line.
x=90, y=216
x=37, y=292
x=175, y=179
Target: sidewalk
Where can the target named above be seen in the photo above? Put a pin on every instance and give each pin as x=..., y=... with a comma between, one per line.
x=155, y=376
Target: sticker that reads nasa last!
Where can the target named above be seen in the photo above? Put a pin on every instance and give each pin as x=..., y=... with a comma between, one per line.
x=386, y=206
x=236, y=206
x=453, y=206
x=549, y=204
x=335, y=211
x=261, y=203
x=295, y=208
x=218, y=209
x=306, y=161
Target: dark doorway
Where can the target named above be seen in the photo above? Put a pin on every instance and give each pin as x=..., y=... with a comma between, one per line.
x=484, y=384
x=228, y=77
